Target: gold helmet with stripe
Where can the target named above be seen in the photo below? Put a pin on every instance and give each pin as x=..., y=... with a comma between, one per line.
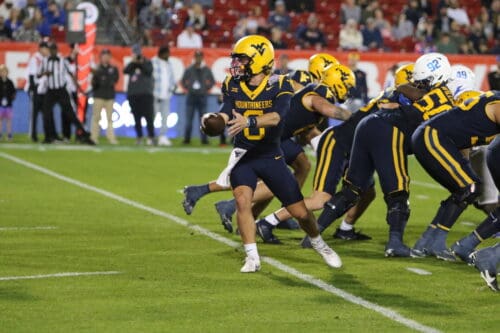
x=340, y=79
x=251, y=55
x=319, y=62
x=404, y=74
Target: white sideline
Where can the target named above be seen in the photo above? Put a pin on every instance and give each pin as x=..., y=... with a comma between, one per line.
x=418, y=271
x=386, y=312
x=56, y=275
x=26, y=228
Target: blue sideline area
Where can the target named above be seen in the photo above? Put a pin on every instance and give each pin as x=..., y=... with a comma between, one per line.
x=122, y=118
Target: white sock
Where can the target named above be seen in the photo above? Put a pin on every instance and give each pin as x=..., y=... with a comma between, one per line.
x=345, y=226
x=317, y=241
x=251, y=250
x=272, y=219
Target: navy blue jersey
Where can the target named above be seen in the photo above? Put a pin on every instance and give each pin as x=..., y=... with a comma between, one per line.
x=300, y=118
x=436, y=101
x=468, y=124
x=273, y=94
x=301, y=76
x=345, y=131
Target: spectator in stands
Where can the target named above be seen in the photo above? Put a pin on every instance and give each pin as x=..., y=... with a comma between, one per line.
x=350, y=11
x=413, y=12
x=456, y=35
x=372, y=38
x=7, y=95
x=300, y=6
x=425, y=7
x=382, y=24
x=150, y=17
x=41, y=24
x=282, y=67
x=55, y=15
x=277, y=38
x=310, y=35
x=140, y=94
x=30, y=8
x=280, y=17
x=164, y=87
x=197, y=18
x=368, y=11
x=466, y=48
x=104, y=78
x=403, y=29
x=443, y=22
x=14, y=21
x=477, y=37
x=457, y=13
x=255, y=19
x=359, y=96
x=424, y=45
x=494, y=76
x=350, y=38
x=240, y=29
x=426, y=28
x=446, y=45
x=197, y=81
x=5, y=31
x=27, y=32
x=487, y=23
x=5, y=9
x=189, y=38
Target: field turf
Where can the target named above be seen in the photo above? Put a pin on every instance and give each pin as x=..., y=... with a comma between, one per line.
x=169, y=277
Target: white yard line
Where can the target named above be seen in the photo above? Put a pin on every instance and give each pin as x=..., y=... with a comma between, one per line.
x=418, y=271
x=55, y=275
x=26, y=228
x=384, y=311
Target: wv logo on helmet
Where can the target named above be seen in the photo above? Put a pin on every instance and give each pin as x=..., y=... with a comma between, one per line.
x=259, y=47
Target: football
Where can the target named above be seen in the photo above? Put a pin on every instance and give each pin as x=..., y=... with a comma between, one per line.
x=212, y=124
x=411, y=92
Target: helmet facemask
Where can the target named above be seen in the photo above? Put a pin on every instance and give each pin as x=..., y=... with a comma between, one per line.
x=240, y=67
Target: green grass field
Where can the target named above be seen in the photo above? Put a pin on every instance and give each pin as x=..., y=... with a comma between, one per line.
x=173, y=278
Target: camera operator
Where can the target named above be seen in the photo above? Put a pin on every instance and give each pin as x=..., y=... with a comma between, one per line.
x=140, y=94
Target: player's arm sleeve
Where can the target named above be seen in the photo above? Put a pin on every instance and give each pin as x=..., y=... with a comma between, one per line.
x=226, y=106
x=282, y=102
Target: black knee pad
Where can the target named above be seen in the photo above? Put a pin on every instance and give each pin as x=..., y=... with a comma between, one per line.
x=398, y=208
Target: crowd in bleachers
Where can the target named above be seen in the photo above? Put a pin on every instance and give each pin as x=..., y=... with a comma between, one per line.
x=449, y=26
x=32, y=20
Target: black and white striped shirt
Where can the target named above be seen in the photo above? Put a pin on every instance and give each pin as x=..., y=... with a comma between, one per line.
x=58, y=67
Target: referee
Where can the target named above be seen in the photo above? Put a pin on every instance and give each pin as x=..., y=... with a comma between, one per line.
x=55, y=68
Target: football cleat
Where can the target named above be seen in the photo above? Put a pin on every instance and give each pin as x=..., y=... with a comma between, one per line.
x=462, y=251
x=191, y=195
x=226, y=209
x=265, y=231
x=350, y=235
x=485, y=262
x=251, y=265
x=331, y=258
x=441, y=252
x=397, y=249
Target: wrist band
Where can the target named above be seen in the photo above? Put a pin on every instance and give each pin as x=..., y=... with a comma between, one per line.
x=252, y=122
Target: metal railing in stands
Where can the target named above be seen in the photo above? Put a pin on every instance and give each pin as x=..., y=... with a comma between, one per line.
x=112, y=15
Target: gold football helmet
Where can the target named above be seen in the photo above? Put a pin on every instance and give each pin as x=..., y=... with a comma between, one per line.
x=404, y=74
x=251, y=55
x=319, y=62
x=340, y=79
